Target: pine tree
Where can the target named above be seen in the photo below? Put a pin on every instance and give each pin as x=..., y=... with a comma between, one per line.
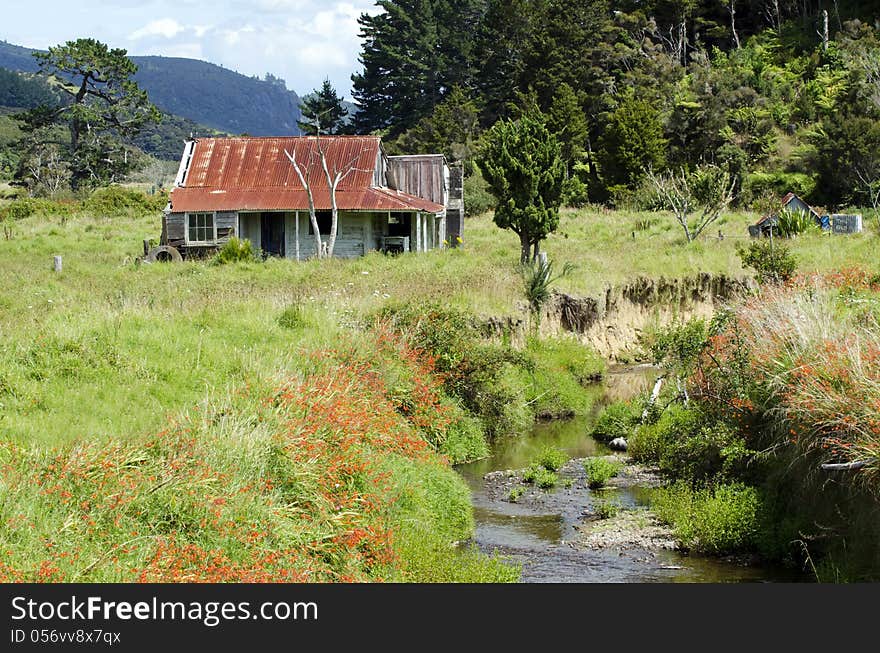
x=326, y=106
x=413, y=54
x=501, y=45
x=632, y=143
x=104, y=108
x=521, y=163
x=567, y=120
x=451, y=130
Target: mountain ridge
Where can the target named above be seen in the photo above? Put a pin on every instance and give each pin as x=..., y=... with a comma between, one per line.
x=200, y=91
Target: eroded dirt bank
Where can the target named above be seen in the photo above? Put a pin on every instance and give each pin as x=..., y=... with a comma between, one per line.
x=613, y=321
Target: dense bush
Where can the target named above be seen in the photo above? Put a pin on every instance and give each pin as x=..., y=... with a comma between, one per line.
x=477, y=198
x=552, y=458
x=617, y=421
x=235, y=251
x=540, y=476
x=777, y=184
x=115, y=200
x=792, y=223
x=772, y=262
x=575, y=193
x=464, y=441
x=506, y=388
x=600, y=471
x=717, y=520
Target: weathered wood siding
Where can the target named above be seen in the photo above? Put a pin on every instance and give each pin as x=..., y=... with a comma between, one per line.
x=227, y=225
x=454, y=227
x=249, y=227
x=420, y=175
x=175, y=227
x=354, y=236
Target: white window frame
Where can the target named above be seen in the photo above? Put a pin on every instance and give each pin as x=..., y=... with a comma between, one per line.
x=213, y=240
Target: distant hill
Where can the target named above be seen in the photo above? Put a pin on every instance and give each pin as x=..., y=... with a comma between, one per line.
x=20, y=91
x=202, y=92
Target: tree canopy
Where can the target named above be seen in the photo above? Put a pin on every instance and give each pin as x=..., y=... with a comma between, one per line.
x=325, y=106
x=103, y=109
x=745, y=85
x=522, y=165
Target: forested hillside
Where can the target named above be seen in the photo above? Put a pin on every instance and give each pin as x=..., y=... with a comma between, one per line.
x=202, y=92
x=783, y=94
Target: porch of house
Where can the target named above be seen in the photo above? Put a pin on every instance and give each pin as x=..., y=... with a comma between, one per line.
x=290, y=234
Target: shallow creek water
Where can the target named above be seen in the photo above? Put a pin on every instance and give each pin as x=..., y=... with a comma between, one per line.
x=543, y=535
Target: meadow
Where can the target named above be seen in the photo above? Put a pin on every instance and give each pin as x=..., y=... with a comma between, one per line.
x=142, y=409
x=110, y=347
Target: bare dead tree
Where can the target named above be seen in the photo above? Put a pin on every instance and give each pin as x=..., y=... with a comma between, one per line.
x=704, y=193
x=334, y=176
x=731, y=10
x=773, y=15
x=824, y=34
x=870, y=180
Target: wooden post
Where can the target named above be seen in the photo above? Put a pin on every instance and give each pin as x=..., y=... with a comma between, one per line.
x=57, y=263
x=296, y=228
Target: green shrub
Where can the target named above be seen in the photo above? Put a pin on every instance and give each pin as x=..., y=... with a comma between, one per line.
x=112, y=201
x=703, y=454
x=235, y=251
x=792, y=223
x=616, y=421
x=604, y=509
x=647, y=443
x=552, y=458
x=26, y=207
x=772, y=262
x=718, y=520
x=600, y=471
x=575, y=192
x=515, y=493
x=676, y=346
x=778, y=184
x=465, y=440
x=540, y=476
x=293, y=317
x=477, y=198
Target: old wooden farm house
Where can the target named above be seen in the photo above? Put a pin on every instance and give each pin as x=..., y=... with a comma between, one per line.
x=247, y=187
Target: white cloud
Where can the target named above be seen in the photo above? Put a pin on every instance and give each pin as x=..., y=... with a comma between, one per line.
x=165, y=27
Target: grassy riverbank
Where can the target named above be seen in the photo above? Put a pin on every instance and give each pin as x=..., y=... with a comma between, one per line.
x=778, y=451
x=246, y=422
x=145, y=414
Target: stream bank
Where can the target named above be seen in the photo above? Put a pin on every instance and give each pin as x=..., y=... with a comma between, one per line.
x=555, y=534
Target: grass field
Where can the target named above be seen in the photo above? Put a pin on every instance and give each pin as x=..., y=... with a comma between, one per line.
x=148, y=430
x=110, y=348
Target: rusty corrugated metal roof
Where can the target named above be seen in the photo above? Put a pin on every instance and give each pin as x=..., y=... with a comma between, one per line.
x=230, y=174
x=252, y=163
x=366, y=199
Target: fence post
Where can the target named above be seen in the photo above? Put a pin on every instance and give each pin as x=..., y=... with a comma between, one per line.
x=57, y=263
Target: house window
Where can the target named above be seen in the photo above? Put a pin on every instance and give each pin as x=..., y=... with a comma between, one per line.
x=325, y=222
x=200, y=228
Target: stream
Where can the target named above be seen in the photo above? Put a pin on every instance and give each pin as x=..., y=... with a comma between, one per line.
x=541, y=533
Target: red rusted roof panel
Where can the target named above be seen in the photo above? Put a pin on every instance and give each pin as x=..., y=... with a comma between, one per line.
x=261, y=163
x=366, y=199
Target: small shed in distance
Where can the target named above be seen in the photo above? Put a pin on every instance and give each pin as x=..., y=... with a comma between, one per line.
x=790, y=202
x=430, y=176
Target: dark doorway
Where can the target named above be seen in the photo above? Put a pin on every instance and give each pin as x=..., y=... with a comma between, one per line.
x=272, y=233
x=400, y=224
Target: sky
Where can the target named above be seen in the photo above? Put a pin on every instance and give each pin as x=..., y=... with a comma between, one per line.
x=300, y=41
